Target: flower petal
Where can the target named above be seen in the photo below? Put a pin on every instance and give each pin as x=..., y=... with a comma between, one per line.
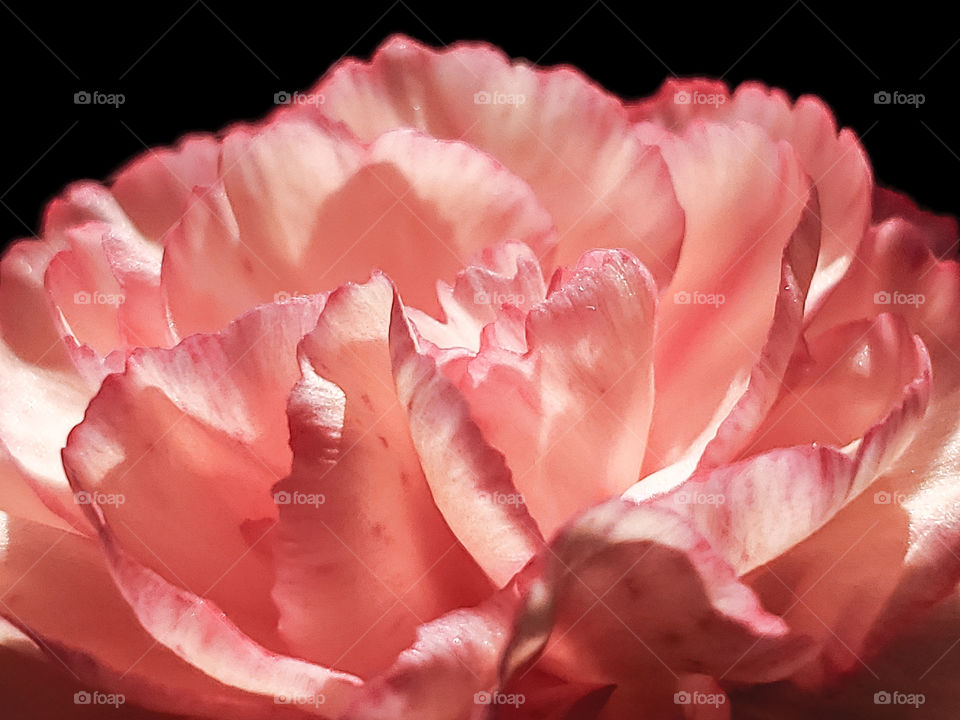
x=585, y=382
x=189, y=441
x=154, y=189
x=643, y=574
x=307, y=208
x=356, y=515
x=724, y=293
x=469, y=480
x=40, y=567
x=586, y=167
x=447, y=672
x=834, y=160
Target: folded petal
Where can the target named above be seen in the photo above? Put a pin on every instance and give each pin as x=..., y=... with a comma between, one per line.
x=585, y=382
x=449, y=672
x=40, y=567
x=187, y=443
x=586, y=167
x=469, y=479
x=834, y=159
x=644, y=575
x=505, y=284
x=154, y=189
x=864, y=367
x=306, y=208
x=357, y=519
x=715, y=317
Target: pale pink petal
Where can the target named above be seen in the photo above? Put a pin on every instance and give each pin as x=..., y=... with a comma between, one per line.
x=41, y=567
x=939, y=231
x=715, y=317
x=207, y=236
x=834, y=159
x=586, y=167
x=448, y=672
x=356, y=516
x=178, y=454
x=586, y=382
x=307, y=208
x=198, y=631
x=735, y=431
x=154, y=189
x=832, y=586
x=644, y=576
x=863, y=367
x=469, y=480
x=497, y=293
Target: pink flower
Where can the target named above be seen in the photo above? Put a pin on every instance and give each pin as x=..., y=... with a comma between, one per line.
x=468, y=390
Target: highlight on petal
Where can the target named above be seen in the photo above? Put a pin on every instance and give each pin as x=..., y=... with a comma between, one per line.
x=450, y=671
x=40, y=567
x=357, y=519
x=155, y=188
x=187, y=443
x=585, y=382
x=833, y=158
x=586, y=167
x=305, y=208
x=469, y=479
x=715, y=317
x=644, y=575
x=489, y=299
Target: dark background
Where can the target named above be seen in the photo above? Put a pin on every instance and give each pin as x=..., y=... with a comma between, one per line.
x=186, y=66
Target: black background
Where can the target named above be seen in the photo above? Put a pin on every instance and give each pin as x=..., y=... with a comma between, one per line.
x=201, y=65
